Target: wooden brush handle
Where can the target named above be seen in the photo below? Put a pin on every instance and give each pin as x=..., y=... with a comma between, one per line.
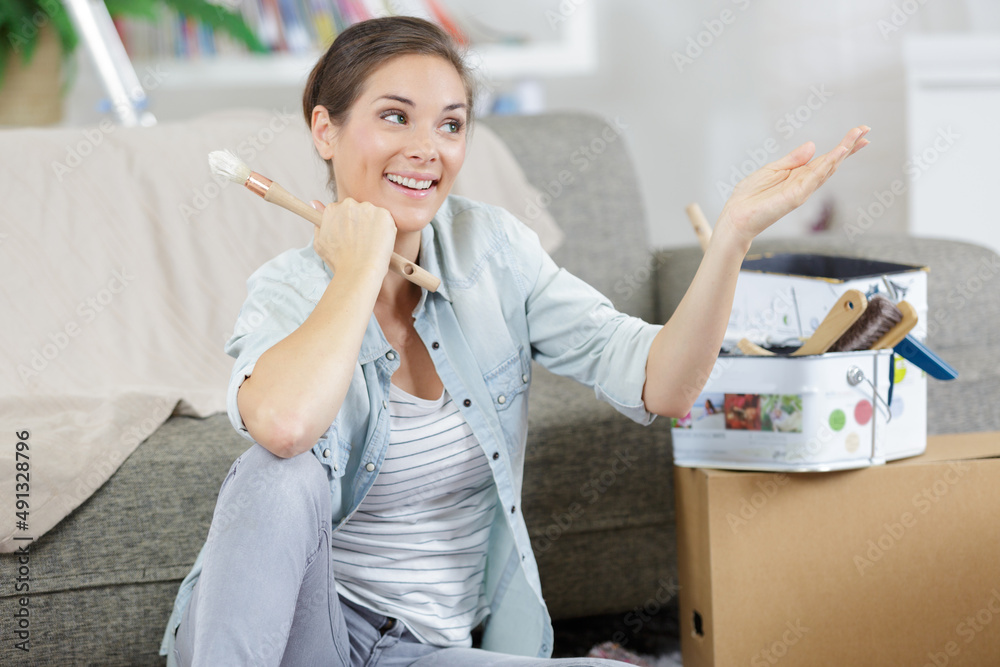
x=397, y=263
x=752, y=349
x=893, y=336
x=844, y=313
x=700, y=224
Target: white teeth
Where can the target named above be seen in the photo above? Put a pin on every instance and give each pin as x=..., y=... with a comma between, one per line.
x=409, y=182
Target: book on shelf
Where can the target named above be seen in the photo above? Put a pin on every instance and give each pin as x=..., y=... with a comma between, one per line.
x=296, y=27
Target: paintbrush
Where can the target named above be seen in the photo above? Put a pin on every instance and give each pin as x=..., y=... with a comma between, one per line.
x=702, y=229
x=899, y=331
x=228, y=165
x=879, y=318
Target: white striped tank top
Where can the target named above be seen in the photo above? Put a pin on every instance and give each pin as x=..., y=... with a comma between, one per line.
x=415, y=549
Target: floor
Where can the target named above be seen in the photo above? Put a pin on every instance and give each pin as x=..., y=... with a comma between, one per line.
x=653, y=637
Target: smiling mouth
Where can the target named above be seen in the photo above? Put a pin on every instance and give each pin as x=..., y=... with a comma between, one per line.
x=411, y=183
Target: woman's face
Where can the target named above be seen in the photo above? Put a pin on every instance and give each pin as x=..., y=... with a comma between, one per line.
x=403, y=142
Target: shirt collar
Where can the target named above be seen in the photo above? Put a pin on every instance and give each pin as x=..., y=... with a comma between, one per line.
x=374, y=344
x=429, y=259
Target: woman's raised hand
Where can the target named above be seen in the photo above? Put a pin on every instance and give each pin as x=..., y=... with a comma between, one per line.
x=778, y=188
x=354, y=236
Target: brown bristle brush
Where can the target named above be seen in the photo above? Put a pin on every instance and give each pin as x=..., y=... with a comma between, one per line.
x=879, y=317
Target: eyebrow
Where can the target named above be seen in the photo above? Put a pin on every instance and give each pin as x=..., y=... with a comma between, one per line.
x=403, y=100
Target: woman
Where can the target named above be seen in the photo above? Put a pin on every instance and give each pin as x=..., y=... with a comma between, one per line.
x=413, y=404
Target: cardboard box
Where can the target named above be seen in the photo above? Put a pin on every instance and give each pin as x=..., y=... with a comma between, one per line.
x=889, y=565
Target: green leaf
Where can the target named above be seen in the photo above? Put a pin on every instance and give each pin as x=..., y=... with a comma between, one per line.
x=142, y=9
x=64, y=28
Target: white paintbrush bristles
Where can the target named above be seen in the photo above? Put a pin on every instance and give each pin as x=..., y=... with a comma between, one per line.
x=225, y=163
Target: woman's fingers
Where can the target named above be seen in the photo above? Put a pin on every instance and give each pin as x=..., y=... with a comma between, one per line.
x=795, y=158
x=318, y=205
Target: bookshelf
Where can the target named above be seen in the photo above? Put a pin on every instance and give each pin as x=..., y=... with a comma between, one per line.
x=182, y=88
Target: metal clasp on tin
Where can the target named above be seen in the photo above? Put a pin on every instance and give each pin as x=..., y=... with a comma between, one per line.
x=856, y=376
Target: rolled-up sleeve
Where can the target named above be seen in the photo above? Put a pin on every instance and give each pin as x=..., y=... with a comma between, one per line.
x=280, y=296
x=575, y=330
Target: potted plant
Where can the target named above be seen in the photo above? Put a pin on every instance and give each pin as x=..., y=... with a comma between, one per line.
x=37, y=36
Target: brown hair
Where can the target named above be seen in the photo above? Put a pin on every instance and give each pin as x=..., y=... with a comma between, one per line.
x=338, y=78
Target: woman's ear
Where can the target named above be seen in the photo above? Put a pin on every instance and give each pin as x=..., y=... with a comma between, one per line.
x=323, y=132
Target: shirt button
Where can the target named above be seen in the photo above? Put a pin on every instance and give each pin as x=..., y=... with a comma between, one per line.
x=524, y=378
x=513, y=508
x=496, y=455
x=435, y=345
x=390, y=356
x=466, y=402
x=501, y=399
x=326, y=453
x=369, y=467
x=385, y=404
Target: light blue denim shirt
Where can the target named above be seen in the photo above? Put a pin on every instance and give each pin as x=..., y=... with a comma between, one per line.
x=502, y=302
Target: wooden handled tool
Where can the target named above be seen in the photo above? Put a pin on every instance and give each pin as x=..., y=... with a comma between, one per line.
x=397, y=263
x=899, y=331
x=702, y=229
x=227, y=164
x=845, y=312
x=849, y=307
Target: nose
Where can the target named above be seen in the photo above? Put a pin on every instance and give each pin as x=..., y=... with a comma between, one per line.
x=422, y=146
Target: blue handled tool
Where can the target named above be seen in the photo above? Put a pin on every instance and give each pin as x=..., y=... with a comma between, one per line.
x=916, y=352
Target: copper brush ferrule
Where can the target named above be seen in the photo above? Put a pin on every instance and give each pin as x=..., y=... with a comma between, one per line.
x=258, y=184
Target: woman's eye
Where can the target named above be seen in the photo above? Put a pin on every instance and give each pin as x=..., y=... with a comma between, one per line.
x=452, y=126
x=395, y=117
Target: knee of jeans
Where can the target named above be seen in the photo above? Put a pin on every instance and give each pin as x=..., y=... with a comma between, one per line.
x=281, y=481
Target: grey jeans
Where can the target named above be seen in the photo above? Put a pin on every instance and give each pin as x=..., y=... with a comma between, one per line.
x=266, y=594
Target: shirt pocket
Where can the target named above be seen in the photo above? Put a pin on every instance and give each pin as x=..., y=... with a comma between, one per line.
x=508, y=387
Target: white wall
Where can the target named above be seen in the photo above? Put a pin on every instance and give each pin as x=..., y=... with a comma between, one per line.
x=690, y=126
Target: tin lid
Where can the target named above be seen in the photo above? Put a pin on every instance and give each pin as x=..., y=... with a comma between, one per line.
x=824, y=267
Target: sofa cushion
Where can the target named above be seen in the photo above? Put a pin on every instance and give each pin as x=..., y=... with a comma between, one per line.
x=103, y=580
x=582, y=168
x=598, y=500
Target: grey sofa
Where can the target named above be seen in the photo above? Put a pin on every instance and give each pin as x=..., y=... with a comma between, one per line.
x=597, y=492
